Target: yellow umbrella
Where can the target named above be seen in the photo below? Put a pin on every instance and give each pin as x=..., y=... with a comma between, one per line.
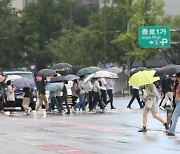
x=142, y=78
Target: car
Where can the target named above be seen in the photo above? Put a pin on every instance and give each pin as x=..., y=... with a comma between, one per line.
x=18, y=92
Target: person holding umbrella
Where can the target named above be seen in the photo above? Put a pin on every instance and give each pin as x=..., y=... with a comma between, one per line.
x=110, y=86
x=152, y=94
x=10, y=94
x=82, y=88
x=135, y=94
x=96, y=92
x=42, y=94
x=65, y=97
x=26, y=100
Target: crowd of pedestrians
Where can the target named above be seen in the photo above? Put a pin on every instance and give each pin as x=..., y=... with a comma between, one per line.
x=90, y=95
x=98, y=93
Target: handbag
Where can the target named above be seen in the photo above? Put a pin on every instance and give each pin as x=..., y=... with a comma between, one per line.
x=149, y=103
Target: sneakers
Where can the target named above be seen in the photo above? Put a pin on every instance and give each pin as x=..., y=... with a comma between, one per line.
x=28, y=111
x=67, y=112
x=166, y=126
x=169, y=134
x=143, y=130
x=161, y=107
x=113, y=107
x=129, y=107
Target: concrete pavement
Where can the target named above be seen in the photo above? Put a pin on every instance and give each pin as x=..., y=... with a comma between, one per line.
x=114, y=131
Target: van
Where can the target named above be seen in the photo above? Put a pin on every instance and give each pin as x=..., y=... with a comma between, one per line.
x=18, y=93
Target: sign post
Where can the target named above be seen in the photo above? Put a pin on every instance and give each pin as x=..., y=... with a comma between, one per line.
x=154, y=37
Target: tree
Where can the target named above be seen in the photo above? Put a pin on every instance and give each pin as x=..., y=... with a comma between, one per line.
x=145, y=12
x=172, y=54
x=42, y=22
x=10, y=36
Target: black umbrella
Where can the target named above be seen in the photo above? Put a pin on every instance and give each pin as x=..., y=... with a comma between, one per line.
x=46, y=73
x=58, y=79
x=168, y=70
x=61, y=67
x=135, y=70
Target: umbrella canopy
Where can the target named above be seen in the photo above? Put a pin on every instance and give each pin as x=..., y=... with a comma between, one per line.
x=2, y=78
x=142, y=78
x=115, y=70
x=83, y=71
x=93, y=69
x=46, y=73
x=53, y=86
x=71, y=77
x=61, y=66
x=23, y=82
x=168, y=70
x=89, y=77
x=104, y=74
x=88, y=70
x=135, y=70
x=58, y=79
x=12, y=77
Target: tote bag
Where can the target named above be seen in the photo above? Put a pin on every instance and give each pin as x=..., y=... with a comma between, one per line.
x=149, y=103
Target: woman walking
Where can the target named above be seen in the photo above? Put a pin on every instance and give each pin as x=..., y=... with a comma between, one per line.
x=151, y=95
x=26, y=100
x=10, y=94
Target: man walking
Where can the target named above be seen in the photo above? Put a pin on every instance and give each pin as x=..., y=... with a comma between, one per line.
x=135, y=94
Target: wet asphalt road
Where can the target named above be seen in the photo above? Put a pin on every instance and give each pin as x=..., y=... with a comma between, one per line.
x=111, y=132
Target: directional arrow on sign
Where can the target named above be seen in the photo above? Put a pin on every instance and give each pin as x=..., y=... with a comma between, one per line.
x=151, y=42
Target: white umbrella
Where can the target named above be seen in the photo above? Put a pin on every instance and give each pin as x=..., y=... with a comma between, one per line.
x=12, y=77
x=104, y=74
x=89, y=77
x=115, y=70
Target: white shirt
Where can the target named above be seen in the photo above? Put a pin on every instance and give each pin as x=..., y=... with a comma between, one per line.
x=96, y=86
x=110, y=83
x=10, y=93
x=104, y=84
x=82, y=87
x=89, y=86
x=134, y=87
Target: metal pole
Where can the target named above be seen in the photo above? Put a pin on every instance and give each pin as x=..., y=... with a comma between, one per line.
x=105, y=33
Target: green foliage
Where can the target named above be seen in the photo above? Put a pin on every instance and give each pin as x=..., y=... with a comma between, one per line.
x=145, y=12
x=10, y=36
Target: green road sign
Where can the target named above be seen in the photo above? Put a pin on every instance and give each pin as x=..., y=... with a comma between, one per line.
x=154, y=37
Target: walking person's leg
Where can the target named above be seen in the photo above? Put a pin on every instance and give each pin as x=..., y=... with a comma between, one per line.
x=131, y=101
x=95, y=100
x=110, y=94
x=170, y=95
x=132, y=98
x=156, y=116
x=45, y=101
x=145, y=113
x=136, y=94
x=79, y=103
x=175, y=117
x=59, y=103
x=164, y=101
x=104, y=97
x=40, y=102
x=66, y=103
x=101, y=104
x=25, y=104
